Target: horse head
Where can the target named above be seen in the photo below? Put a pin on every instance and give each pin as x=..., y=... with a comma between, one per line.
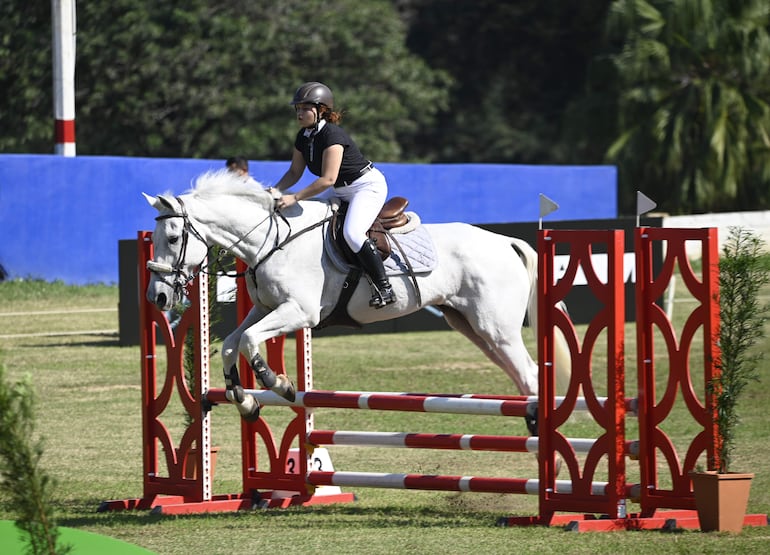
x=179, y=250
x=223, y=206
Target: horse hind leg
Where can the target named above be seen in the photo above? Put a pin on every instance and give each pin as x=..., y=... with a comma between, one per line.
x=512, y=358
x=458, y=323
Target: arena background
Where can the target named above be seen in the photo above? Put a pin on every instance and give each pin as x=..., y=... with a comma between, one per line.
x=75, y=219
x=62, y=217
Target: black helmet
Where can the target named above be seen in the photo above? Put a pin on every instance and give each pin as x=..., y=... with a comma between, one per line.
x=314, y=93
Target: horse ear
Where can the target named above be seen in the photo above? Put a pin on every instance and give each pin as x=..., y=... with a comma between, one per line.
x=150, y=200
x=159, y=203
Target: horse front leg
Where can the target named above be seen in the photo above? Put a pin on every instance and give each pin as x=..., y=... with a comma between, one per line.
x=277, y=383
x=286, y=318
x=246, y=404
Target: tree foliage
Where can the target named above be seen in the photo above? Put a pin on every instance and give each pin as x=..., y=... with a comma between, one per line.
x=517, y=66
x=674, y=92
x=26, y=76
x=209, y=79
x=693, y=81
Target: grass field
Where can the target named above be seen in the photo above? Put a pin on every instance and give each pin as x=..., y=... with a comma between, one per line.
x=88, y=399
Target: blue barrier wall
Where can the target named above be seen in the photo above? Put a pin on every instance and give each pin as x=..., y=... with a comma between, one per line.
x=61, y=218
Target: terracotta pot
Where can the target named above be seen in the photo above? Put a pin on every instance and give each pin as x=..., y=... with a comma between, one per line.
x=721, y=500
x=191, y=468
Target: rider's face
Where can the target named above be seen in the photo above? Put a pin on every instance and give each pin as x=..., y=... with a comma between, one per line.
x=306, y=114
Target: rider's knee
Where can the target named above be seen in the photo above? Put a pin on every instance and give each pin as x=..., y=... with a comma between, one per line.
x=354, y=240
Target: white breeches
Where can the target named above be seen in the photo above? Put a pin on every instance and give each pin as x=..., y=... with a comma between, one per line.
x=365, y=197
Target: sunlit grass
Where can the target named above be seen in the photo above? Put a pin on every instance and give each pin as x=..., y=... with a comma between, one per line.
x=89, y=399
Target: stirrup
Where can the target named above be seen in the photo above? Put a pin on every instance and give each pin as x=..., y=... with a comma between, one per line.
x=382, y=297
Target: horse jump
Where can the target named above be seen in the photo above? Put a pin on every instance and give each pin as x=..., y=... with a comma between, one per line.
x=486, y=405
x=580, y=494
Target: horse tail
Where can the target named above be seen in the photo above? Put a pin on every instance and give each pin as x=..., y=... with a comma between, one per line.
x=562, y=357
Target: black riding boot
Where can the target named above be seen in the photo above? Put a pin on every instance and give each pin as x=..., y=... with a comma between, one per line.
x=372, y=264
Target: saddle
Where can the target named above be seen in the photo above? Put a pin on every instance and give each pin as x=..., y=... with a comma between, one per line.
x=392, y=215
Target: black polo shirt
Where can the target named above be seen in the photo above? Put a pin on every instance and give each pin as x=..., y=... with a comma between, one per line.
x=312, y=149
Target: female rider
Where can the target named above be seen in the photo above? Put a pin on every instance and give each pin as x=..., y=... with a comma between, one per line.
x=329, y=152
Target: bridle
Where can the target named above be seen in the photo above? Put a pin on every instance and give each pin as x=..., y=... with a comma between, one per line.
x=181, y=279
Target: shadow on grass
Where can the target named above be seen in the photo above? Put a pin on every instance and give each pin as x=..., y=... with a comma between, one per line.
x=323, y=516
x=106, y=342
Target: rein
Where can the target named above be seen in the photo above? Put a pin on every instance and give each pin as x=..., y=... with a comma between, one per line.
x=289, y=238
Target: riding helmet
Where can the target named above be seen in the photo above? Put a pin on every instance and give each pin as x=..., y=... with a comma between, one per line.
x=314, y=93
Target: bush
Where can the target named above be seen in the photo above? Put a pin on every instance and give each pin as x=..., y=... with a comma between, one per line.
x=27, y=483
x=742, y=273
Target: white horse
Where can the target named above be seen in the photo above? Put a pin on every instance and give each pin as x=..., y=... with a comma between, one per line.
x=483, y=283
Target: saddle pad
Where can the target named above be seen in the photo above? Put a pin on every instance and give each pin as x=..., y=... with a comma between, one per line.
x=417, y=244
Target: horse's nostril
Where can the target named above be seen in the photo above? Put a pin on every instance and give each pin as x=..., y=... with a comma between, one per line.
x=160, y=300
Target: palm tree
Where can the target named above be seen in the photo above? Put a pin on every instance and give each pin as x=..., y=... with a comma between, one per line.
x=693, y=105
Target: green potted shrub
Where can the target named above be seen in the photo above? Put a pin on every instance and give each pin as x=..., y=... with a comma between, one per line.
x=742, y=274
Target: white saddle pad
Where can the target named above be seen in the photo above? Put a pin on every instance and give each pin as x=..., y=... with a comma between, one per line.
x=416, y=244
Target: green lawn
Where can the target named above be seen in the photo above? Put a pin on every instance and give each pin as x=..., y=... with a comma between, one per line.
x=89, y=398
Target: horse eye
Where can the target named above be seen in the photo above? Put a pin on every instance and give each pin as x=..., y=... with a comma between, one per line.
x=173, y=240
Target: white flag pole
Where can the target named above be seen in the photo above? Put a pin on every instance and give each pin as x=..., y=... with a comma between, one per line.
x=64, y=29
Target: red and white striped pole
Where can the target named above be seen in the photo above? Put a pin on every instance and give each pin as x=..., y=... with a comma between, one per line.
x=63, y=12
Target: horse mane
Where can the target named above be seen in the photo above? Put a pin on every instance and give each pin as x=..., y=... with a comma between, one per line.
x=216, y=183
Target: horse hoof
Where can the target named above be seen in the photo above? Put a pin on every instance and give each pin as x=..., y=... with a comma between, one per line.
x=249, y=410
x=530, y=418
x=285, y=388
x=235, y=395
x=252, y=416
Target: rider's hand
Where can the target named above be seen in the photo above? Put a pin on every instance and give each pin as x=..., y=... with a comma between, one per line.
x=287, y=200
